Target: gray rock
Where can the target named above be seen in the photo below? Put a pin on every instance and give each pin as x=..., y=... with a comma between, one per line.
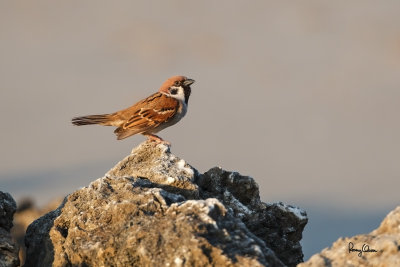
x=26, y=213
x=383, y=245
x=39, y=247
x=154, y=209
x=280, y=226
x=8, y=248
x=7, y=210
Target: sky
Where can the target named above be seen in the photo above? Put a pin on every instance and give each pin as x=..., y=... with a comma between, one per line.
x=303, y=96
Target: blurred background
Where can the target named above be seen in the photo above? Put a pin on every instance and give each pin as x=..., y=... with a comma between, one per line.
x=303, y=96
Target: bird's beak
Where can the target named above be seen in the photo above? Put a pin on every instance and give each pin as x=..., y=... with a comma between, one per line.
x=188, y=82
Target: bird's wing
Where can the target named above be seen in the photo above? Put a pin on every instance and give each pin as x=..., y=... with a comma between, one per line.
x=147, y=114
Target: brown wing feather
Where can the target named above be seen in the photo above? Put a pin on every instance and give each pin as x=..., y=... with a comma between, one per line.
x=147, y=115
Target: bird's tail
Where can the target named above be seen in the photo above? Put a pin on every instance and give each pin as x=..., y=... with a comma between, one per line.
x=102, y=119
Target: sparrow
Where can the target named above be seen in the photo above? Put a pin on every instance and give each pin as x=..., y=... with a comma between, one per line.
x=150, y=115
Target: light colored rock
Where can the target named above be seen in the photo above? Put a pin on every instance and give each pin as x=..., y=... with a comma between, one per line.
x=385, y=241
x=154, y=209
x=160, y=166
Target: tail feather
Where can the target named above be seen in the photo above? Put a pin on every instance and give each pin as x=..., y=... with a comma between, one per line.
x=103, y=119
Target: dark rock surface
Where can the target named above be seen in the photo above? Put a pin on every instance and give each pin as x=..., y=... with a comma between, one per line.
x=26, y=213
x=8, y=247
x=39, y=246
x=280, y=226
x=154, y=209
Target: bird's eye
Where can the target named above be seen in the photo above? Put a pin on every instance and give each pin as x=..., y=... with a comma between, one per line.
x=174, y=91
x=176, y=83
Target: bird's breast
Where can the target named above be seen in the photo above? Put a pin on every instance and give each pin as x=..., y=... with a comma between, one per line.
x=181, y=112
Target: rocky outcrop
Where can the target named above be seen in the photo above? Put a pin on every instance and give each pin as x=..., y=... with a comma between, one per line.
x=381, y=247
x=8, y=247
x=154, y=209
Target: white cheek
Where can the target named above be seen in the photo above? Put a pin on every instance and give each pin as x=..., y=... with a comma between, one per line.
x=180, y=94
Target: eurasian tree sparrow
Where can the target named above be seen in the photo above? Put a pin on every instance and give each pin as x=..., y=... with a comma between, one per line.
x=149, y=116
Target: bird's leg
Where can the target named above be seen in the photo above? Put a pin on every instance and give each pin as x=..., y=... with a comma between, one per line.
x=157, y=139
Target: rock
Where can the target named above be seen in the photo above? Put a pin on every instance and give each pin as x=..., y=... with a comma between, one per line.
x=39, y=247
x=26, y=213
x=383, y=245
x=158, y=165
x=8, y=248
x=7, y=210
x=154, y=209
x=280, y=226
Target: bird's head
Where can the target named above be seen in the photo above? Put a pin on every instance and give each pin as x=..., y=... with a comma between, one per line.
x=178, y=87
